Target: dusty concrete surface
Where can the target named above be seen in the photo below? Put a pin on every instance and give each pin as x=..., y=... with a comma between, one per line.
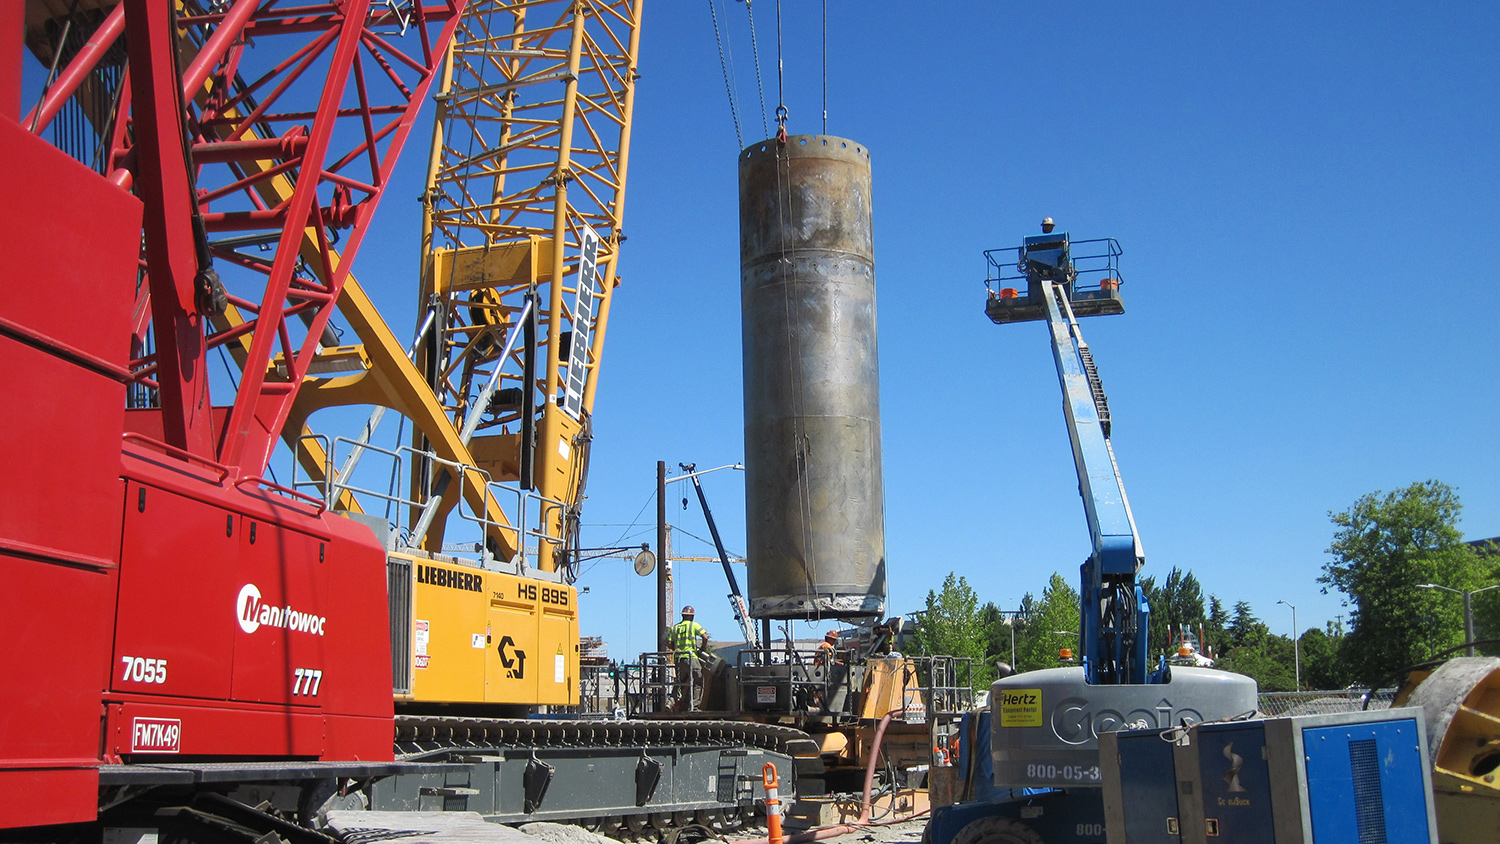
x=428, y=827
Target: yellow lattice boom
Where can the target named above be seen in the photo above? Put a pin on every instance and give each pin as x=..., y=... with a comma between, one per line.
x=524, y=203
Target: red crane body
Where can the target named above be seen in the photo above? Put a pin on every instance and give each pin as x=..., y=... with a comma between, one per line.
x=161, y=600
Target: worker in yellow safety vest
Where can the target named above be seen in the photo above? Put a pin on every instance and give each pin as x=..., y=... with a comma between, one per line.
x=685, y=638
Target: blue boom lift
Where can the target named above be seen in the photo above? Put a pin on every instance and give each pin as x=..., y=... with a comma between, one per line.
x=1042, y=783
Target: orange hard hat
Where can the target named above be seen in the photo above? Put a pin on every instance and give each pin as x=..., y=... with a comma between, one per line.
x=832, y=634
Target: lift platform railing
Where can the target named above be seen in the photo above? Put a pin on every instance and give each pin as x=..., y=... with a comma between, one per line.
x=1093, y=261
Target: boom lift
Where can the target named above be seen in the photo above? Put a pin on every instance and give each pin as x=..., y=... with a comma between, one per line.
x=1114, y=610
x=1045, y=723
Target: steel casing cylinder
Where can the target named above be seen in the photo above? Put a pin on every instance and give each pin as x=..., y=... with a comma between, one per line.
x=814, y=501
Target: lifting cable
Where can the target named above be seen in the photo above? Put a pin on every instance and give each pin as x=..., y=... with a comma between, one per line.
x=734, y=111
x=825, y=67
x=760, y=85
x=781, y=112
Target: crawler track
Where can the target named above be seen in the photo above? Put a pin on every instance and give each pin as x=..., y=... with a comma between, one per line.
x=419, y=736
x=637, y=780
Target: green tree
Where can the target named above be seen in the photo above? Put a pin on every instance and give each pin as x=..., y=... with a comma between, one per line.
x=1243, y=626
x=1322, y=667
x=950, y=625
x=1487, y=605
x=1386, y=545
x=1176, y=606
x=997, y=634
x=1026, y=613
x=1251, y=649
x=1156, y=631
x=1214, y=625
x=1056, y=611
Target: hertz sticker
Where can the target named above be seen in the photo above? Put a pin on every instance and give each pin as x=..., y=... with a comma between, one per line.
x=1021, y=708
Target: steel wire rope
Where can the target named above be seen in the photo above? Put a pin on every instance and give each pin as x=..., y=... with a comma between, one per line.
x=390, y=489
x=734, y=112
x=57, y=51
x=799, y=434
x=453, y=237
x=825, y=67
x=783, y=200
x=633, y=522
x=781, y=112
x=760, y=85
x=733, y=557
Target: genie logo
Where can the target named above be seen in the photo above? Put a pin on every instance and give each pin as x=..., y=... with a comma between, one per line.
x=1077, y=721
x=252, y=613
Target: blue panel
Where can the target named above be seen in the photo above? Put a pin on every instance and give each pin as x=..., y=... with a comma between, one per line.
x=1365, y=783
x=1148, y=787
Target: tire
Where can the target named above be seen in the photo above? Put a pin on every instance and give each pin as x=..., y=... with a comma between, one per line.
x=997, y=831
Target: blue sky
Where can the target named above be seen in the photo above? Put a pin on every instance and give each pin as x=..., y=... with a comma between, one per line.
x=1305, y=194
x=1306, y=200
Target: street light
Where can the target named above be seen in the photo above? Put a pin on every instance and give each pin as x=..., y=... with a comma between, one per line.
x=1296, y=646
x=663, y=572
x=1468, y=608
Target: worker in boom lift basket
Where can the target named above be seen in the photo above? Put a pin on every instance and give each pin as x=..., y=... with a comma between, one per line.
x=686, y=638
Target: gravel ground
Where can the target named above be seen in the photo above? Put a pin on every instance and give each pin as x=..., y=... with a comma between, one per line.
x=905, y=832
x=556, y=833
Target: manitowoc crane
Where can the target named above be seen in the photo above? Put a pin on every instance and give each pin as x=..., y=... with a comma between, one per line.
x=203, y=651
x=1045, y=785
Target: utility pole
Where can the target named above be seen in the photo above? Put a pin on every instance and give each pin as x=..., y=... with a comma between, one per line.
x=661, y=563
x=1468, y=596
x=1296, y=646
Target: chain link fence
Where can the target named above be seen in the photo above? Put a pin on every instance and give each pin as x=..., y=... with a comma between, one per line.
x=1277, y=704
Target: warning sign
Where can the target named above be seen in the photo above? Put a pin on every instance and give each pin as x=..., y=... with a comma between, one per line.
x=1021, y=708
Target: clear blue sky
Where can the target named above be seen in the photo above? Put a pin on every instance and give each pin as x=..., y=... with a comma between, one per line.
x=1306, y=196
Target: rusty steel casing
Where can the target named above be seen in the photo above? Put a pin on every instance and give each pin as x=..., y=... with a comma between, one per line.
x=814, y=500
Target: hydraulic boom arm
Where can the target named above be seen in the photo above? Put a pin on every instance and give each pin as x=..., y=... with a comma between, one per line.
x=1112, y=637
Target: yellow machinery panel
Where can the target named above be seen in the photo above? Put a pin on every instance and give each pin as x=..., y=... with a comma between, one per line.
x=490, y=637
x=558, y=638
x=514, y=660
x=890, y=686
